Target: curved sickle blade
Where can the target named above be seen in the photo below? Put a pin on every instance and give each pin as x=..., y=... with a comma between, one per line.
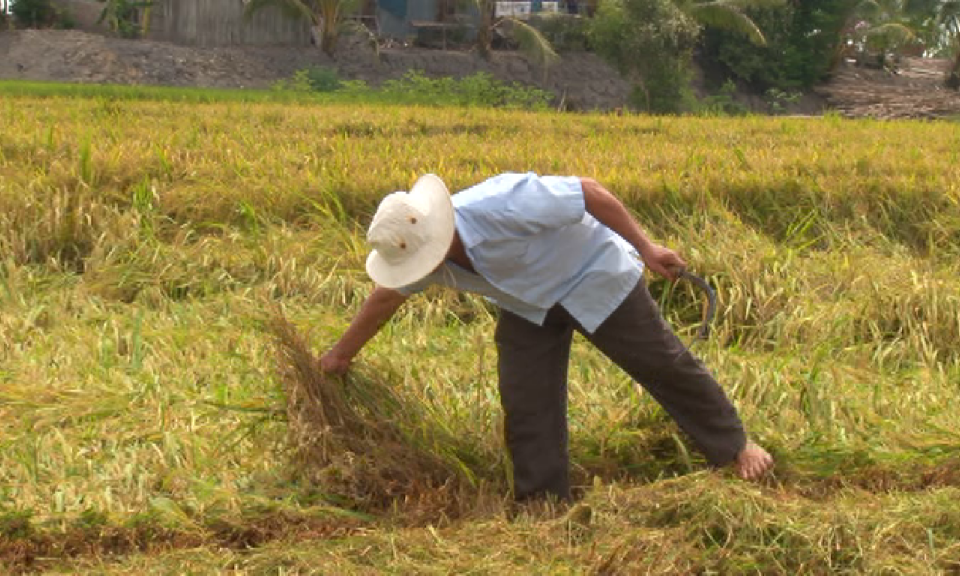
x=699, y=282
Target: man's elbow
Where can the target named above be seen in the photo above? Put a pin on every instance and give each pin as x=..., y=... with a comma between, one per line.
x=594, y=194
x=588, y=184
x=388, y=297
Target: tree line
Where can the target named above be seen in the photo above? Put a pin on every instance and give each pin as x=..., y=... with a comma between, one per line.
x=767, y=45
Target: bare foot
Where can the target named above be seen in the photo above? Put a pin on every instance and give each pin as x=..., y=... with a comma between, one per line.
x=752, y=462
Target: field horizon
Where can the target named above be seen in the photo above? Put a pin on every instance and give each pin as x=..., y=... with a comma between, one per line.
x=147, y=424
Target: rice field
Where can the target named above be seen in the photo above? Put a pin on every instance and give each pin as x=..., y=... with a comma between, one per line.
x=164, y=263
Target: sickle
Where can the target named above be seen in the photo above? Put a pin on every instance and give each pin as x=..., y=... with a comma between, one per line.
x=704, y=332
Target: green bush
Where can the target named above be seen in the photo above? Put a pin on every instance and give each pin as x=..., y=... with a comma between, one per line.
x=723, y=102
x=650, y=41
x=313, y=79
x=299, y=82
x=323, y=79
x=778, y=100
x=802, y=46
x=415, y=87
x=33, y=13
x=480, y=89
x=66, y=20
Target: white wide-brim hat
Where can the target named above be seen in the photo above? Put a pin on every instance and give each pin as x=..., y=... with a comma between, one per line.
x=411, y=233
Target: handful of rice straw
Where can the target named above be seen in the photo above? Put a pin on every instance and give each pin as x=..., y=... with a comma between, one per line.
x=358, y=439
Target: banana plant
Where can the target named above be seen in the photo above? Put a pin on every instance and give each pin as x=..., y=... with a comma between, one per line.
x=324, y=15
x=730, y=15
x=121, y=16
x=938, y=21
x=531, y=41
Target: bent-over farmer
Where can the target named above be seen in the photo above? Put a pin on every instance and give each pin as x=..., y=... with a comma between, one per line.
x=555, y=254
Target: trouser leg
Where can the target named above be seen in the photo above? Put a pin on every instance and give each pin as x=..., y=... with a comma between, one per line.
x=637, y=339
x=532, y=364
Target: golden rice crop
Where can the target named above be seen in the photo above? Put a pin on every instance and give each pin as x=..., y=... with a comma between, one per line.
x=140, y=397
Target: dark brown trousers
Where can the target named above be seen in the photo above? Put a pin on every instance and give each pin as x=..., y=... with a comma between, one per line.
x=533, y=388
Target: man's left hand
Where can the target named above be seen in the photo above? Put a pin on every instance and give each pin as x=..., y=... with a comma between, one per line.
x=663, y=261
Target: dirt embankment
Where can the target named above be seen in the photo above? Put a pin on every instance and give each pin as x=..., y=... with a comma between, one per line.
x=73, y=56
x=582, y=81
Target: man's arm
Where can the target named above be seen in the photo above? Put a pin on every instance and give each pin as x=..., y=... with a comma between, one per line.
x=608, y=209
x=379, y=307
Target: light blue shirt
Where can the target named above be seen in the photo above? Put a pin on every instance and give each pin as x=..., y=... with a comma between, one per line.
x=534, y=245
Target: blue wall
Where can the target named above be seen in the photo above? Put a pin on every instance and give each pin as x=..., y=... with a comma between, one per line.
x=394, y=16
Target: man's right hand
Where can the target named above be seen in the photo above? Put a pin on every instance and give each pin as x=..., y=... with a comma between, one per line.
x=663, y=261
x=334, y=363
x=376, y=309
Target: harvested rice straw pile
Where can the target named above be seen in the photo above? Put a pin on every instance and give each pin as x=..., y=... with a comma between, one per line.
x=356, y=438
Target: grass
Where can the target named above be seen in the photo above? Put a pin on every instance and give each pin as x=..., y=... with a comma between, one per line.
x=148, y=425
x=414, y=88
x=56, y=90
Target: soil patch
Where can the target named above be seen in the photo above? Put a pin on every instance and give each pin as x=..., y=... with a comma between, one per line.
x=915, y=89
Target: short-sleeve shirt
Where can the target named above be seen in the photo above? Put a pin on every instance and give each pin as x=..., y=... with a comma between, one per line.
x=534, y=245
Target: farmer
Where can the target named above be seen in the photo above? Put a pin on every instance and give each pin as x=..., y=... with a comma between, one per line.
x=556, y=254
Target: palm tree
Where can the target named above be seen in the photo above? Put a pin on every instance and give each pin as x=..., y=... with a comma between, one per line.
x=728, y=15
x=937, y=22
x=325, y=15
x=880, y=26
x=948, y=24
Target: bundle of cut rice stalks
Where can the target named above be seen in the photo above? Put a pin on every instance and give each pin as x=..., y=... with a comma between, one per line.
x=362, y=442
